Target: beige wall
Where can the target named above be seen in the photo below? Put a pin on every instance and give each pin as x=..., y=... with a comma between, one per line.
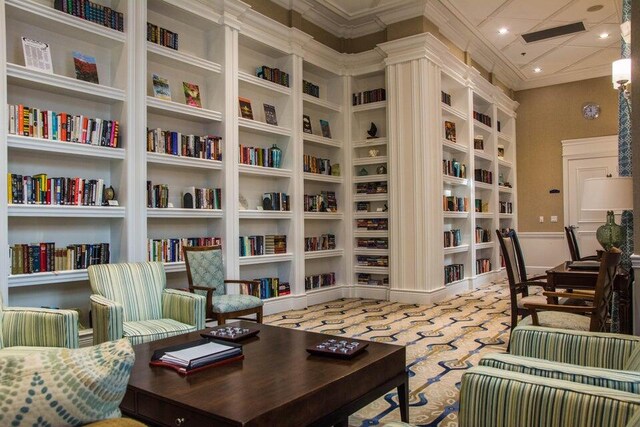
x=547, y=116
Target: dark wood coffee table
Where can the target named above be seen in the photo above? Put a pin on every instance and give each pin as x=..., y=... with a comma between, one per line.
x=277, y=384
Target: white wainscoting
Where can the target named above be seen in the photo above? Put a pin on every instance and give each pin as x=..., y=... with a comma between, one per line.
x=543, y=250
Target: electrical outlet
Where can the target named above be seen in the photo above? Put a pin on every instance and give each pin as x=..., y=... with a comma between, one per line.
x=541, y=219
x=554, y=218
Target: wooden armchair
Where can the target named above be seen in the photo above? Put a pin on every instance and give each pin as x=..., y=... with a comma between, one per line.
x=572, y=241
x=205, y=272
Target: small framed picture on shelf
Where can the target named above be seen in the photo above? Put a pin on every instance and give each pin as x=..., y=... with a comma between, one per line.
x=450, y=131
x=161, y=88
x=37, y=55
x=306, y=124
x=86, y=67
x=245, y=108
x=326, y=130
x=501, y=152
x=192, y=94
x=270, y=114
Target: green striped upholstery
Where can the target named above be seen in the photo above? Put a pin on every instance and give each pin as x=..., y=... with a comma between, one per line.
x=207, y=269
x=228, y=303
x=131, y=301
x=22, y=326
x=633, y=361
x=494, y=398
x=63, y=387
x=609, y=378
x=595, y=349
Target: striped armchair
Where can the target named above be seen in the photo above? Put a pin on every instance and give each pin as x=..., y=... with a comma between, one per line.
x=555, y=377
x=131, y=300
x=37, y=327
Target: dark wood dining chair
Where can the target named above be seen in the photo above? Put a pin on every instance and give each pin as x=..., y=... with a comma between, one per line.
x=574, y=250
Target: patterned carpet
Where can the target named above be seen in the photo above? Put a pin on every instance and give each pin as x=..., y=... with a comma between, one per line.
x=443, y=340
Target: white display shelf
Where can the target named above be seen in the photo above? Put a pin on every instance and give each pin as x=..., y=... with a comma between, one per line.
x=456, y=249
x=369, y=160
x=64, y=276
x=67, y=148
x=370, y=251
x=265, y=171
x=322, y=178
x=370, y=197
x=330, y=253
x=506, y=216
x=263, y=84
x=505, y=163
x=256, y=214
x=56, y=21
x=323, y=289
x=322, y=103
x=321, y=141
x=483, y=185
x=453, y=147
x=485, y=245
x=183, y=162
x=453, y=180
x=481, y=126
x=370, y=270
x=384, y=288
x=66, y=211
x=483, y=155
x=262, y=128
x=183, y=111
x=371, y=178
x=366, y=215
x=370, y=106
x=484, y=215
x=324, y=215
x=370, y=233
x=504, y=137
x=183, y=213
x=175, y=267
x=370, y=142
x=172, y=58
x=265, y=259
x=448, y=110
x=62, y=85
x=504, y=189
x=448, y=214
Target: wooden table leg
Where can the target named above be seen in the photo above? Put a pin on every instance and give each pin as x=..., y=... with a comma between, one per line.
x=403, y=399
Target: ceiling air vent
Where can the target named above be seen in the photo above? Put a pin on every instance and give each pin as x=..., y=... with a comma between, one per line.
x=550, y=33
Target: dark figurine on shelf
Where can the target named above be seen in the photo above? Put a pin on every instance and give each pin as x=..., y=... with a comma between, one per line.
x=373, y=130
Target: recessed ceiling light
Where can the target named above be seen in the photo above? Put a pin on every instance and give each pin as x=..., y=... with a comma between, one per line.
x=595, y=8
x=503, y=30
x=604, y=35
x=537, y=70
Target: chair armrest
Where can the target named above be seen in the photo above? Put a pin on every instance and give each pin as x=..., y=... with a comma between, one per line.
x=538, y=277
x=596, y=349
x=590, y=258
x=554, y=307
x=255, y=283
x=493, y=397
x=107, y=317
x=184, y=307
x=572, y=295
x=39, y=327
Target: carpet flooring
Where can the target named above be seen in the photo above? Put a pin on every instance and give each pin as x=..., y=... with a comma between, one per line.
x=443, y=340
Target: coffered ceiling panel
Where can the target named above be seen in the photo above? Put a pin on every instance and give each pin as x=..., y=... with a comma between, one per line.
x=559, y=58
x=531, y=9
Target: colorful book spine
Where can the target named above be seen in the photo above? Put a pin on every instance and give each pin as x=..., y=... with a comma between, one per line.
x=41, y=190
x=46, y=257
x=170, y=250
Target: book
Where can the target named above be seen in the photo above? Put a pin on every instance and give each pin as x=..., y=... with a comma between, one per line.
x=245, y=108
x=306, y=124
x=450, y=131
x=270, y=114
x=326, y=130
x=192, y=94
x=86, y=67
x=37, y=55
x=161, y=88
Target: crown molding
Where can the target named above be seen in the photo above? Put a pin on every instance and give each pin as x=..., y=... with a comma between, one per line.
x=402, y=13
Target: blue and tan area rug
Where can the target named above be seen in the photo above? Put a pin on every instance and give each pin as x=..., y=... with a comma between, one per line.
x=443, y=340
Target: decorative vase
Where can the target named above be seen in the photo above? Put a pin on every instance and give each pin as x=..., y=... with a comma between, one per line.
x=610, y=234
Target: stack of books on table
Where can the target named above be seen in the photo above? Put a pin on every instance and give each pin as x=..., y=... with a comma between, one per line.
x=198, y=355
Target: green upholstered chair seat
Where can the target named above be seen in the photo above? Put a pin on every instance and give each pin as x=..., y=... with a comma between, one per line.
x=227, y=303
x=558, y=319
x=150, y=330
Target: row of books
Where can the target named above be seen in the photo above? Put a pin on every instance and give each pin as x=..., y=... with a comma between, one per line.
x=482, y=206
x=372, y=224
x=372, y=260
x=482, y=175
x=274, y=75
x=175, y=143
x=269, y=244
x=367, y=96
x=162, y=36
x=46, y=124
x=258, y=156
x=369, y=279
x=313, y=164
x=269, y=287
x=324, y=202
x=452, y=238
x=483, y=265
x=310, y=89
x=319, y=280
x=276, y=202
x=455, y=204
x=157, y=195
x=93, y=12
x=41, y=190
x=454, y=168
x=506, y=207
x=379, y=187
x=445, y=97
x=482, y=118
x=363, y=206
x=200, y=198
x=478, y=142
x=482, y=235
x=324, y=242
x=453, y=272
x=372, y=242
x=45, y=257
x=170, y=250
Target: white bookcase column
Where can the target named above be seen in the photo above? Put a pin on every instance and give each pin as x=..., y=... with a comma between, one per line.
x=4, y=238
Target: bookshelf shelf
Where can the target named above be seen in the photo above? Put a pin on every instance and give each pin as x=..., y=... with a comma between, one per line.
x=323, y=289
x=61, y=147
x=505, y=163
x=266, y=171
x=456, y=249
x=321, y=103
x=453, y=147
x=366, y=215
x=506, y=190
x=370, y=142
x=486, y=215
x=22, y=76
x=263, y=84
x=371, y=178
x=482, y=155
x=453, y=180
x=321, y=141
x=481, y=126
x=265, y=259
x=503, y=136
x=175, y=267
x=370, y=160
x=66, y=211
x=485, y=245
x=322, y=178
x=182, y=60
x=506, y=216
x=483, y=185
x=21, y=280
x=370, y=197
x=331, y=253
x=368, y=107
x=448, y=110
x=183, y=111
x=324, y=215
x=262, y=128
x=255, y=214
x=372, y=233
x=183, y=213
x=456, y=282
x=456, y=214
x=371, y=270
x=367, y=251
x=183, y=162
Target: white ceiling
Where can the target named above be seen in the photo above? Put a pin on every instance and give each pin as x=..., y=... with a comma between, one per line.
x=473, y=26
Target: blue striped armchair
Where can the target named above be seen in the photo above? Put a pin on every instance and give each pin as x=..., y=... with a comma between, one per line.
x=555, y=377
x=131, y=300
